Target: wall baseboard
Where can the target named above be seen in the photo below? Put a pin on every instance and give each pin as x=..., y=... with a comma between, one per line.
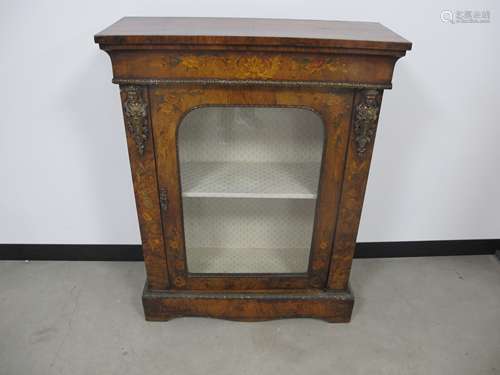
x=132, y=253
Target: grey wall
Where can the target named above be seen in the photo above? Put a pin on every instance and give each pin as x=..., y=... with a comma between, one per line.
x=64, y=167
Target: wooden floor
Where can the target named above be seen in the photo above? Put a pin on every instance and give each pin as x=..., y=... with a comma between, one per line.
x=86, y=318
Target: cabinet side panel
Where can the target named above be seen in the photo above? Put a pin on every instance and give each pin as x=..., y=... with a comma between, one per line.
x=136, y=114
x=362, y=135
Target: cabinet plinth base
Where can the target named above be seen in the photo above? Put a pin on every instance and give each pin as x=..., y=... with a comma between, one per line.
x=331, y=306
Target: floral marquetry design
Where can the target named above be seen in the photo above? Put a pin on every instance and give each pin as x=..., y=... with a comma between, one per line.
x=255, y=65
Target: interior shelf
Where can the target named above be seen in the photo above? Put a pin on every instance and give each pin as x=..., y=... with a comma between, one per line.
x=226, y=260
x=250, y=180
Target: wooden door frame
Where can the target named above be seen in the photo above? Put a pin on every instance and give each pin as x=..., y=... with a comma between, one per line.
x=170, y=104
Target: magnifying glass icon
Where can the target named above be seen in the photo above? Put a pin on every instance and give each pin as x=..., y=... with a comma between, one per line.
x=447, y=16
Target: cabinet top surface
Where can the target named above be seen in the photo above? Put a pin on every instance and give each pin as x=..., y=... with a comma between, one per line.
x=251, y=32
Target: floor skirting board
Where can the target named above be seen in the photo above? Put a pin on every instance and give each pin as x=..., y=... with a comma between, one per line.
x=101, y=252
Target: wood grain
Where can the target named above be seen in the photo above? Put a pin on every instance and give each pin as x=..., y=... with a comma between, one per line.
x=251, y=31
x=351, y=204
x=147, y=201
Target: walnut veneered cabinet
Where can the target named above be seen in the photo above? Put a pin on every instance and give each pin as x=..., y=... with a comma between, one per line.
x=250, y=142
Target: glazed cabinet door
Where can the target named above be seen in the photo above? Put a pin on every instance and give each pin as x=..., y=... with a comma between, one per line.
x=249, y=183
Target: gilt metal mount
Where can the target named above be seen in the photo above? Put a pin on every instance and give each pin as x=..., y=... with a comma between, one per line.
x=135, y=110
x=365, y=119
x=163, y=199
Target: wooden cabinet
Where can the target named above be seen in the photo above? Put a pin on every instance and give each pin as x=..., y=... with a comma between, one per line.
x=250, y=143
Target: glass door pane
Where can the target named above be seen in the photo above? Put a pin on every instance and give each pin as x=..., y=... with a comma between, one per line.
x=249, y=179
